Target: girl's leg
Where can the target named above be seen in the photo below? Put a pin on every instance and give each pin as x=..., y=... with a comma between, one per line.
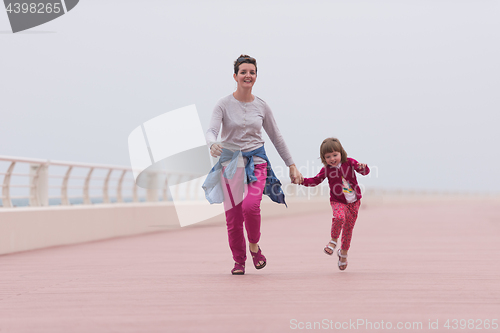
x=337, y=222
x=233, y=193
x=339, y=210
x=351, y=216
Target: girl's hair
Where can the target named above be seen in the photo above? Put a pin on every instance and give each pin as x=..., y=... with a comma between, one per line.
x=329, y=146
x=244, y=59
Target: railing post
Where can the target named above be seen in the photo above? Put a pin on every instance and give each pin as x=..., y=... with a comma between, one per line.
x=165, y=187
x=86, y=195
x=64, y=187
x=39, y=185
x=105, y=195
x=119, y=196
x=152, y=193
x=135, y=196
x=6, y=201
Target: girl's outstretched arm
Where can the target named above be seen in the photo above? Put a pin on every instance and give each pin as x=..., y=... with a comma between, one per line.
x=360, y=168
x=318, y=179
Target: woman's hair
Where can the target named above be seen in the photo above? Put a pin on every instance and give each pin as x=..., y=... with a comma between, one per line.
x=329, y=146
x=244, y=59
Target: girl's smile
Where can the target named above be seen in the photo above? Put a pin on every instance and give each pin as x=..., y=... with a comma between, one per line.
x=333, y=159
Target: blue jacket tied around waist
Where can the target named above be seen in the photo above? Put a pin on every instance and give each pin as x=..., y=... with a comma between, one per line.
x=213, y=188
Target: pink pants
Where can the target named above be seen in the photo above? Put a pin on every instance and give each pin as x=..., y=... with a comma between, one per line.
x=344, y=218
x=247, y=209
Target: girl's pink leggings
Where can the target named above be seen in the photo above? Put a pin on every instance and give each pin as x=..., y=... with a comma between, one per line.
x=241, y=209
x=344, y=218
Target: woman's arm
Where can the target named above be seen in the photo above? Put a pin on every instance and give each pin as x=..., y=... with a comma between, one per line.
x=272, y=130
x=213, y=131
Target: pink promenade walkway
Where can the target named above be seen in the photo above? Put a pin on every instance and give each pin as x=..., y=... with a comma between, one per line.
x=409, y=266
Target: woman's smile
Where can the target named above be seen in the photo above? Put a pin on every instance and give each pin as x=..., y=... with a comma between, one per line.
x=246, y=76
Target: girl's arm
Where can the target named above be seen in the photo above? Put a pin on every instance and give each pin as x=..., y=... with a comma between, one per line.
x=360, y=168
x=314, y=181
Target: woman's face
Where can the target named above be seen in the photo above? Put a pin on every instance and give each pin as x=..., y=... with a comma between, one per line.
x=247, y=75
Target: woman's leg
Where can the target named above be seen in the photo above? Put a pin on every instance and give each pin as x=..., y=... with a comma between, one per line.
x=251, y=213
x=233, y=195
x=251, y=204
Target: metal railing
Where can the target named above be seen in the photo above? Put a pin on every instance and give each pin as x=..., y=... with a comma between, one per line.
x=42, y=182
x=36, y=182
x=43, y=186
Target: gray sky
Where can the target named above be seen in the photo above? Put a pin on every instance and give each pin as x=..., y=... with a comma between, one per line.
x=409, y=87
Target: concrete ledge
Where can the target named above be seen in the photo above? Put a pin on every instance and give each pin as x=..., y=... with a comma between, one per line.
x=30, y=228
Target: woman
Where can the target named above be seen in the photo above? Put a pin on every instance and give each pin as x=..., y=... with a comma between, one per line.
x=242, y=116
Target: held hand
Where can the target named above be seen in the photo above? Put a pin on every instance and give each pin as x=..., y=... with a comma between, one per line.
x=215, y=150
x=295, y=176
x=301, y=179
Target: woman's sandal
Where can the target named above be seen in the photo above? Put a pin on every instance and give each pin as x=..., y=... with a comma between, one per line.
x=238, y=269
x=342, y=264
x=256, y=257
x=331, y=248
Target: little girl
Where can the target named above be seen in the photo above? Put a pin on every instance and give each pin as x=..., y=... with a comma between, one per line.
x=344, y=193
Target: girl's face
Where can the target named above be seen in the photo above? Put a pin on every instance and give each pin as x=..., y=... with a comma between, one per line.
x=246, y=77
x=333, y=158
